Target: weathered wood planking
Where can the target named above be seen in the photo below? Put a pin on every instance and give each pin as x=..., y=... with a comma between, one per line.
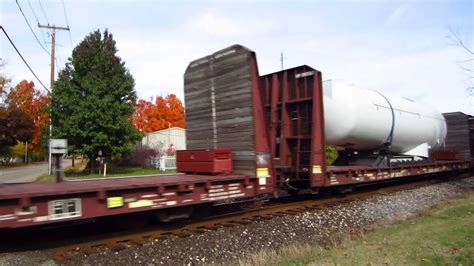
x=460, y=134
x=218, y=97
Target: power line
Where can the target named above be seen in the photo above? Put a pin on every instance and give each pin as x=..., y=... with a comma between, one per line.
x=22, y=58
x=56, y=60
x=60, y=59
x=37, y=21
x=44, y=14
x=67, y=22
x=32, y=31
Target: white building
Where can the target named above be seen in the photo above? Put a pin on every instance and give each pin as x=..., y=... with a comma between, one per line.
x=162, y=139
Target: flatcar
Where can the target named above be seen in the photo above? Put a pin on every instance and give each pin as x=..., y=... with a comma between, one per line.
x=249, y=137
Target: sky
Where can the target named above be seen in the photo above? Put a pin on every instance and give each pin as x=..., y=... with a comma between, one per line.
x=400, y=48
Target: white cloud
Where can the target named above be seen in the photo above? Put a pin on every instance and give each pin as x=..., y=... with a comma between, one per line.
x=157, y=55
x=397, y=14
x=159, y=60
x=9, y=19
x=156, y=64
x=430, y=76
x=216, y=26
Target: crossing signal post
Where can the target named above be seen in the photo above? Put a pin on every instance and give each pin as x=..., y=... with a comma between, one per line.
x=58, y=147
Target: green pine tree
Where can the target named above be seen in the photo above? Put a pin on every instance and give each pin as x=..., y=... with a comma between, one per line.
x=93, y=99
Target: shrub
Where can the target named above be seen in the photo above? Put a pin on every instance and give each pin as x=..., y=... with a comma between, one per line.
x=141, y=156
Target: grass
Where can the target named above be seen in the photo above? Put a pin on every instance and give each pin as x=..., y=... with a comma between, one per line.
x=78, y=171
x=43, y=178
x=443, y=235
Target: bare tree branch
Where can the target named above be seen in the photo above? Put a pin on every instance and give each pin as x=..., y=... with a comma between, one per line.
x=455, y=37
x=466, y=69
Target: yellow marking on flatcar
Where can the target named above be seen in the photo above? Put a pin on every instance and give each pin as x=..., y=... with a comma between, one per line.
x=140, y=203
x=114, y=202
x=317, y=169
x=262, y=172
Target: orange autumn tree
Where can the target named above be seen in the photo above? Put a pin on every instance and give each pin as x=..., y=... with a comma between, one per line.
x=163, y=113
x=175, y=111
x=34, y=104
x=140, y=118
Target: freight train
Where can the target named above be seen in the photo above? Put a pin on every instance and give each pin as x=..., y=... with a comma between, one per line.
x=255, y=137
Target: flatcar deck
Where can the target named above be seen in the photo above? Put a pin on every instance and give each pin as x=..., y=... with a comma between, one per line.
x=354, y=174
x=34, y=189
x=37, y=203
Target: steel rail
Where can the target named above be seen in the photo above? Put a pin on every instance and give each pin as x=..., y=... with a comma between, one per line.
x=121, y=240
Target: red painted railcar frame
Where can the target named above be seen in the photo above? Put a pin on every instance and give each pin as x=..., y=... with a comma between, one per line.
x=213, y=161
x=293, y=102
x=35, y=203
x=349, y=175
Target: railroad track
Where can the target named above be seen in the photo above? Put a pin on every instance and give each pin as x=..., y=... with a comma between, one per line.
x=122, y=240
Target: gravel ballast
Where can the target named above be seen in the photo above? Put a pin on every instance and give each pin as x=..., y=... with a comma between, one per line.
x=324, y=226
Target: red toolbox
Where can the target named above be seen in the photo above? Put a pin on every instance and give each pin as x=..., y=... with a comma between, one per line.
x=215, y=161
x=445, y=155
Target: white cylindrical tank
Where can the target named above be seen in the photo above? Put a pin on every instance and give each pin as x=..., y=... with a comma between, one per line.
x=363, y=119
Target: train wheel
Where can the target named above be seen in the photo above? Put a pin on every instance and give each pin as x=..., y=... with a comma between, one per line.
x=128, y=221
x=202, y=210
x=174, y=214
x=293, y=192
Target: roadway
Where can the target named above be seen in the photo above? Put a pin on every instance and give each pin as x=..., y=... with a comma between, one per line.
x=27, y=173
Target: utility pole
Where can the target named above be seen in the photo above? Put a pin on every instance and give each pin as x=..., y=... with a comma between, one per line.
x=53, y=29
x=282, y=59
